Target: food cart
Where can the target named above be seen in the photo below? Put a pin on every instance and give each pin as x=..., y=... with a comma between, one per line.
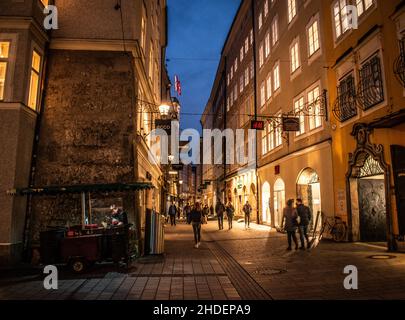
x=81, y=246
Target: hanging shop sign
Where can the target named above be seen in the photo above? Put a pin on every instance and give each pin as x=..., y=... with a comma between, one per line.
x=257, y=125
x=291, y=124
x=165, y=125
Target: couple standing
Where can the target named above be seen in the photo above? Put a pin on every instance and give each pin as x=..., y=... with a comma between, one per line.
x=220, y=209
x=296, y=218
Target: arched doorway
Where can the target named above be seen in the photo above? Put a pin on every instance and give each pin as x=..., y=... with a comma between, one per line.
x=368, y=183
x=309, y=190
x=266, y=215
x=279, y=201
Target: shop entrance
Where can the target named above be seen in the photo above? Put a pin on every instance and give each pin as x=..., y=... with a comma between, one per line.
x=309, y=190
x=398, y=159
x=279, y=201
x=266, y=216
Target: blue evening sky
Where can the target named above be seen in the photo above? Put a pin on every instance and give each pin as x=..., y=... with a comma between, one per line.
x=197, y=31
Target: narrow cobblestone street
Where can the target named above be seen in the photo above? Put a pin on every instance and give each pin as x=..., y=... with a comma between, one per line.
x=238, y=264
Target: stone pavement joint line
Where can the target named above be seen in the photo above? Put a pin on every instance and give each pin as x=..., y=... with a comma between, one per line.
x=246, y=286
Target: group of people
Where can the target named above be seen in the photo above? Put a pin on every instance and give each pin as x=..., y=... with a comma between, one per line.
x=294, y=218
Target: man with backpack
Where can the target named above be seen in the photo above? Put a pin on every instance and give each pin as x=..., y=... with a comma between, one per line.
x=305, y=217
x=230, y=211
x=219, y=210
x=172, y=214
x=247, y=209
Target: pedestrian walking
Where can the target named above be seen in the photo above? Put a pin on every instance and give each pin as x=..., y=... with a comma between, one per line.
x=230, y=211
x=172, y=214
x=247, y=209
x=289, y=223
x=187, y=211
x=206, y=211
x=219, y=210
x=195, y=218
x=211, y=210
x=305, y=217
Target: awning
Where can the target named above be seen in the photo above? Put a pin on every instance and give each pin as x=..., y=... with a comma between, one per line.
x=71, y=189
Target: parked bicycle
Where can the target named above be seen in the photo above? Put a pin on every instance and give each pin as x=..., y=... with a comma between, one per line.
x=336, y=228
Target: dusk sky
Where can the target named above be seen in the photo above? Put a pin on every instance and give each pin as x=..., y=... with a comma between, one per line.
x=197, y=31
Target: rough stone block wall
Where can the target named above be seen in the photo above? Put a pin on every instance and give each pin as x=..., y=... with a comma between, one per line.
x=86, y=130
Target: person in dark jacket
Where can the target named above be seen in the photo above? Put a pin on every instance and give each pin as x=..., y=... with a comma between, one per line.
x=230, y=211
x=219, y=210
x=196, y=217
x=172, y=214
x=305, y=217
x=247, y=209
x=289, y=223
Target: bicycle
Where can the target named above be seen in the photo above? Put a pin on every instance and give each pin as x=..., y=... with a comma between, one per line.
x=337, y=229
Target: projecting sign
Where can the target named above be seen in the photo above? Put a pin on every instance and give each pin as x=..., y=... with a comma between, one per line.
x=165, y=125
x=257, y=125
x=291, y=124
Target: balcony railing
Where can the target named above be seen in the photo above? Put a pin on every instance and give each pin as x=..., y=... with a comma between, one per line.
x=371, y=89
x=345, y=106
x=399, y=65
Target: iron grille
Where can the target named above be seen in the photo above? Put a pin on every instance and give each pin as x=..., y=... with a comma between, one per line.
x=345, y=106
x=399, y=65
x=371, y=89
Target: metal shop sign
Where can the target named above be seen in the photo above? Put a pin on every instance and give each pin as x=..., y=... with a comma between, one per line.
x=291, y=124
x=257, y=125
x=165, y=125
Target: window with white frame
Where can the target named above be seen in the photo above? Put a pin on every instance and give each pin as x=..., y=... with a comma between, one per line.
x=341, y=18
x=314, y=107
x=298, y=109
x=235, y=92
x=227, y=79
x=267, y=44
x=251, y=36
x=313, y=38
x=34, y=80
x=260, y=20
x=295, y=56
x=265, y=138
x=241, y=54
x=246, y=76
x=268, y=83
x=292, y=10
x=236, y=64
x=261, y=55
x=231, y=98
x=363, y=6
x=241, y=84
x=262, y=95
x=274, y=30
x=143, y=29
x=246, y=45
x=252, y=69
x=271, y=137
x=276, y=77
x=231, y=72
x=266, y=7
x=278, y=134
x=4, y=60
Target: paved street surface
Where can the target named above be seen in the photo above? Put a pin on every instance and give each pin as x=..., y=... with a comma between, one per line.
x=236, y=264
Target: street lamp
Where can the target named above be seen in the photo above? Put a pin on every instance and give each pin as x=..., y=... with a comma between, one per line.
x=164, y=109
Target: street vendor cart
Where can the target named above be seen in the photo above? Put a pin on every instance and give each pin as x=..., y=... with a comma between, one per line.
x=81, y=246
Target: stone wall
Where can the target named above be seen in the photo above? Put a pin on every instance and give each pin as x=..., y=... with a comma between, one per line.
x=86, y=130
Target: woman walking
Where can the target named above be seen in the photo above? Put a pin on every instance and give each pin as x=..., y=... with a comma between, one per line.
x=230, y=211
x=290, y=223
x=196, y=220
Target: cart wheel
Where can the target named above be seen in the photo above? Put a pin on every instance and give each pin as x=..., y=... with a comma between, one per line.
x=78, y=265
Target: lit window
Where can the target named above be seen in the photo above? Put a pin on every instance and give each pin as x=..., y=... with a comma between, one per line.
x=246, y=76
x=4, y=55
x=246, y=45
x=274, y=30
x=262, y=95
x=341, y=17
x=34, y=81
x=265, y=137
x=268, y=87
x=276, y=77
x=278, y=141
x=298, y=108
x=252, y=70
x=267, y=44
x=227, y=80
x=236, y=64
x=251, y=37
x=313, y=38
x=363, y=6
x=260, y=20
x=292, y=10
x=266, y=7
x=261, y=55
x=241, y=84
x=295, y=59
x=315, y=120
x=241, y=54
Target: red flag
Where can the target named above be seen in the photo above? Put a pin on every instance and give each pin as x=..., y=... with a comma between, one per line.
x=177, y=85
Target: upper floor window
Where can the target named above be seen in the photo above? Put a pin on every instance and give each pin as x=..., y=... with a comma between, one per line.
x=313, y=38
x=246, y=76
x=341, y=18
x=4, y=56
x=266, y=7
x=268, y=86
x=315, y=120
x=260, y=20
x=262, y=94
x=251, y=37
x=241, y=84
x=363, y=6
x=261, y=55
x=278, y=134
x=292, y=10
x=34, y=80
x=298, y=109
x=274, y=30
x=345, y=107
x=276, y=77
x=241, y=54
x=236, y=64
x=267, y=44
x=252, y=70
x=295, y=57
x=371, y=83
x=246, y=45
